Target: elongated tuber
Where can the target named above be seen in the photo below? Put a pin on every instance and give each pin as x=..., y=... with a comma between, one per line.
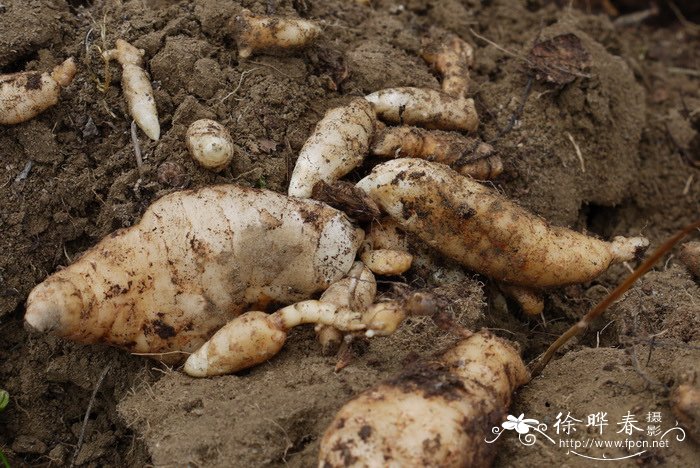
x=25, y=95
x=254, y=33
x=337, y=145
x=210, y=144
x=452, y=58
x=467, y=155
x=137, y=87
x=433, y=414
x=196, y=260
x=424, y=107
x=484, y=231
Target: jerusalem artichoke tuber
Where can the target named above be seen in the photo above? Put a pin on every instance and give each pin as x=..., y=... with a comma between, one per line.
x=433, y=414
x=254, y=33
x=210, y=144
x=452, y=58
x=25, y=95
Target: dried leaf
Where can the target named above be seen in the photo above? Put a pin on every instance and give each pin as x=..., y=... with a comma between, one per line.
x=560, y=59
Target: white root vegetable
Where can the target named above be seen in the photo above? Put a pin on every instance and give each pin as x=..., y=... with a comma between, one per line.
x=685, y=404
x=255, y=33
x=467, y=155
x=487, y=233
x=196, y=260
x=386, y=261
x=255, y=337
x=210, y=144
x=25, y=95
x=452, y=58
x=337, y=145
x=531, y=301
x=424, y=107
x=433, y=414
x=137, y=87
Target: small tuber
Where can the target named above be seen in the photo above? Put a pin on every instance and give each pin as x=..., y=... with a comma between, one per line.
x=254, y=33
x=435, y=413
x=137, y=87
x=690, y=256
x=25, y=95
x=337, y=145
x=481, y=229
x=467, y=155
x=452, y=58
x=426, y=108
x=685, y=404
x=210, y=144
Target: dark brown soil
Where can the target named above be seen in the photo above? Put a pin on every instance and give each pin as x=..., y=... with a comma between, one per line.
x=634, y=118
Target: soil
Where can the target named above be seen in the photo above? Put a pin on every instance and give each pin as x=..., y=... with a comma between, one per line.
x=633, y=114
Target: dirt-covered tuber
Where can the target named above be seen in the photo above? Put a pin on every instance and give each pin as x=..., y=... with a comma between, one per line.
x=255, y=33
x=452, y=58
x=210, y=144
x=433, y=414
x=25, y=95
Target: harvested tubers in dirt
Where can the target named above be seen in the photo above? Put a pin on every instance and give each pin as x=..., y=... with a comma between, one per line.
x=452, y=58
x=137, y=87
x=255, y=33
x=426, y=108
x=467, y=155
x=25, y=95
x=210, y=144
x=487, y=233
x=433, y=414
x=196, y=260
x=337, y=145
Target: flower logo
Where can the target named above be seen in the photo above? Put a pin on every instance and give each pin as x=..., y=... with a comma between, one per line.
x=521, y=425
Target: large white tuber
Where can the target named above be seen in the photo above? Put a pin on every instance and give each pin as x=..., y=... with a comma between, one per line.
x=486, y=232
x=254, y=33
x=337, y=145
x=433, y=414
x=426, y=108
x=25, y=95
x=137, y=87
x=196, y=260
x=210, y=144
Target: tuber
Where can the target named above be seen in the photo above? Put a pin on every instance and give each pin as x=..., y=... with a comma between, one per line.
x=435, y=413
x=690, y=256
x=424, y=107
x=685, y=404
x=467, y=155
x=481, y=229
x=452, y=58
x=196, y=260
x=254, y=33
x=25, y=95
x=137, y=87
x=337, y=145
x=210, y=144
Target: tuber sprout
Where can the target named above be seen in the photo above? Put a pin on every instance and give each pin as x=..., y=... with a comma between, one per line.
x=137, y=87
x=210, y=144
x=25, y=95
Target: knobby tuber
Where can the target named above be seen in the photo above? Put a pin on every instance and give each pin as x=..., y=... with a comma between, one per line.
x=137, y=87
x=484, y=231
x=210, y=144
x=196, y=260
x=467, y=155
x=452, y=58
x=433, y=414
x=685, y=404
x=255, y=33
x=426, y=108
x=337, y=145
x=25, y=95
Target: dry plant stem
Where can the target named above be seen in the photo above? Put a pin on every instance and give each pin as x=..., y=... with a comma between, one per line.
x=539, y=364
x=87, y=416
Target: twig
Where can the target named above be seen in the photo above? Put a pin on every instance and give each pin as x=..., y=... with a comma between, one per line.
x=636, y=17
x=240, y=82
x=539, y=364
x=502, y=49
x=137, y=147
x=87, y=415
x=578, y=151
x=597, y=335
x=684, y=71
x=688, y=183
